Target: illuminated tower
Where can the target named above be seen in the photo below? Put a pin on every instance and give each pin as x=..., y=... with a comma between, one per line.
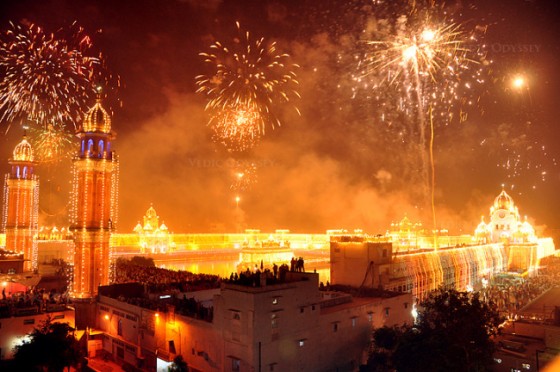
x=504, y=218
x=94, y=203
x=21, y=205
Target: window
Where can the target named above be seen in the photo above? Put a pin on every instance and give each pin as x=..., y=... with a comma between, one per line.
x=172, y=347
x=90, y=146
x=274, y=321
x=354, y=321
x=386, y=311
x=301, y=343
x=301, y=310
x=406, y=305
x=235, y=315
x=312, y=307
x=335, y=327
x=119, y=327
x=120, y=352
x=275, y=301
x=101, y=148
x=235, y=364
x=370, y=317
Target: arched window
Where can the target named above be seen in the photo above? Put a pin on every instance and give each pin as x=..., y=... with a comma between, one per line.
x=90, y=146
x=83, y=144
x=100, y=147
x=25, y=172
x=17, y=171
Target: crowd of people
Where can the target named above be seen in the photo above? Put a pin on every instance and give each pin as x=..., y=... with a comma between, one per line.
x=159, y=280
x=512, y=294
x=32, y=301
x=266, y=276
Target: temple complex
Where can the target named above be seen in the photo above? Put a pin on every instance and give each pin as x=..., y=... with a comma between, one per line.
x=506, y=244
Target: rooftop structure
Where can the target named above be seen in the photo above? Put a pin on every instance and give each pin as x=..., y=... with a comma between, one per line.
x=264, y=323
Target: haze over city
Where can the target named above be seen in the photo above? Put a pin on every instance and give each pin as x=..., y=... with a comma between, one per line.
x=342, y=161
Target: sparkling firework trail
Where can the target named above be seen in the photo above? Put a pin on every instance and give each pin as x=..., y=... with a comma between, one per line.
x=47, y=78
x=422, y=69
x=249, y=80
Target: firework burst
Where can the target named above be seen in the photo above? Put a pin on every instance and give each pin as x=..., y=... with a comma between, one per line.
x=249, y=80
x=427, y=61
x=244, y=176
x=238, y=128
x=47, y=77
x=52, y=144
x=423, y=69
x=431, y=63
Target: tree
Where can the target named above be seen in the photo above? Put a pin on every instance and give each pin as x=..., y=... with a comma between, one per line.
x=179, y=365
x=453, y=332
x=51, y=347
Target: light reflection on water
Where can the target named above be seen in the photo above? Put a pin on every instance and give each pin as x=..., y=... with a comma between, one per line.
x=221, y=268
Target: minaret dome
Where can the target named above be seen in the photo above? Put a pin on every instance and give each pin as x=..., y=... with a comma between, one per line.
x=23, y=151
x=97, y=119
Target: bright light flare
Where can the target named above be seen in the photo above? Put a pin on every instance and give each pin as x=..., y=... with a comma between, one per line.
x=518, y=82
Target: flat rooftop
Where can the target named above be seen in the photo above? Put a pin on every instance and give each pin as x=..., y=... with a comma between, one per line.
x=545, y=302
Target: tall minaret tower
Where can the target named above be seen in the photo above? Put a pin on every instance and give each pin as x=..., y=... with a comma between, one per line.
x=21, y=205
x=94, y=203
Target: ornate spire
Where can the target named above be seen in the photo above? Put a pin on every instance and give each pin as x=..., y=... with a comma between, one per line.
x=23, y=151
x=97, y=119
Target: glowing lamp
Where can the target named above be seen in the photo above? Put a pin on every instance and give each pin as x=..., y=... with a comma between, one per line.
x=106, y=317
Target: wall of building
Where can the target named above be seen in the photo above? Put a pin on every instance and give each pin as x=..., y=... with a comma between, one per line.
x=281, y=327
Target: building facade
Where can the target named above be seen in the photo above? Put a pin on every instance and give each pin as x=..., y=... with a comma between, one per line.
x=21, y=205
x=94, y=203
x=284, y=326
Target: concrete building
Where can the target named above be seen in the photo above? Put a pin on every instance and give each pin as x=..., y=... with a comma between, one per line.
x=17, y=322
x=533, y=340
x=275, y=325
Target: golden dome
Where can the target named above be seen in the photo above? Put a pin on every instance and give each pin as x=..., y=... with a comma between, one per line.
x=23, y=151
x=97, y=119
